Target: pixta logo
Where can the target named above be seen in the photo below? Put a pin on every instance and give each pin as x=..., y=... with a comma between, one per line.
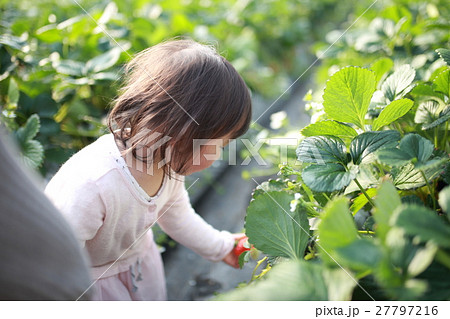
x=154, y=146
x=253, y=149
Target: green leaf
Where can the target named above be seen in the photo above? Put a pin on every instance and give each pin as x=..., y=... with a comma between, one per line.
x=13, y=92
x=417, y=147
x=274, y=229
x=408, y=177
x=442, y=82
x=427, y=112
x=347, y=95
x=329, y=128
x=438, y=289
x=436, y=70
x=340, y=283
x=103, y=61
x=321, y=150
x=446, y=173
x=392, y=112
x=386, y=201
x=444, y=200
x=108, y=76
x=109, y=12
x=33, y=153
x=364, y=145
x=243, y=258
x=292, y=280
x=361, y=200
x=49, y=33
x=70, y=22
x=444, y=116
x=367, y=177
x=327, y=178
x=399, y=248
x=69, y=67
x=393, y=157
x=12, y=41
x=380, y=67
x=444, y=54
x=268, y=186
x=412, y=148
x=426, y=90
x=29, y=130
x=422, y=259
x=399, y=83
x=360, y=255
x=336, y=229
x=412, y=199
x=434, y=163
x=425, y=224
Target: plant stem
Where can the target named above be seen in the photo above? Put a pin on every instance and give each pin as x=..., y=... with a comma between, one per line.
x=380, y=168
x=65, y=49
x=363, y=124
x=326, y=196
x=257, y=265
x=308, y=192
x=443, y=257
x=365, y=193
x=363, y=274
x=399, y=128
x=436, y=137
x=429, y=188
x=445, y=137
x=310, y=207
x=367, y=232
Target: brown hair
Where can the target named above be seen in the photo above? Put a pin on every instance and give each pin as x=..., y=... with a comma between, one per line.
x=184, y=90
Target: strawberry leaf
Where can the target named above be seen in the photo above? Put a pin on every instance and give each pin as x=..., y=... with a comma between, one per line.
x=274, y=229
x=347, y=95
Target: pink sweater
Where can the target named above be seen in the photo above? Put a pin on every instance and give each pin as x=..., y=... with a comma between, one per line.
x=110, y=213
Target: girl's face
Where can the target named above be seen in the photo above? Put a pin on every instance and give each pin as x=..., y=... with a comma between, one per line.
x=205, y=154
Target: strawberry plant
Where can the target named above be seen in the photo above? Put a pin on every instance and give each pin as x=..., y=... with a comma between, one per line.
x=364, y=213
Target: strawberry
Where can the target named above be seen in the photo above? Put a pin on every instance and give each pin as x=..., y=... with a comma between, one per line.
x=241, y=246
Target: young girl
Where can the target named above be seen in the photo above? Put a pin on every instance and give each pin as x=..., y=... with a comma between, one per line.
x=113, y=191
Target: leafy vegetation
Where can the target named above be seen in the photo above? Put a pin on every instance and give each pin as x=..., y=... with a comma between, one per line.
x=361, y=211
x=61, y=60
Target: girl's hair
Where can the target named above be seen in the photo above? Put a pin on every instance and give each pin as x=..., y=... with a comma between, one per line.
x=180, y=90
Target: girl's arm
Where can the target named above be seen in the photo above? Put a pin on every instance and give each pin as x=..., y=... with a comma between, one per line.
x=179, y=220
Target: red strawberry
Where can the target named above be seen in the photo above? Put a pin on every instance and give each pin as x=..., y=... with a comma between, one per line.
x=241, y=246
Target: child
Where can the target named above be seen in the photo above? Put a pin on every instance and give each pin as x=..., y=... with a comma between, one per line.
x=114, y=190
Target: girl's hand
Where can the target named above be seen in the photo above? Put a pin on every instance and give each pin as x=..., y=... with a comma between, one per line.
x=231, y=259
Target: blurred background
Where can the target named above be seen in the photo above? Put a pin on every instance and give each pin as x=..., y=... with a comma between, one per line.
x=61, y=62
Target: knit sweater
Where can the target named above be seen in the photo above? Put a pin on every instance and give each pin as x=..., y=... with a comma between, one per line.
x=112, y=216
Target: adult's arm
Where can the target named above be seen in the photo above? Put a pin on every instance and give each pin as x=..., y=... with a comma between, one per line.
x=40, y=259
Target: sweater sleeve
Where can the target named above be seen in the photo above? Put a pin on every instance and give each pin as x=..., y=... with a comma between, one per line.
x=81, y=205
x=179, y=220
